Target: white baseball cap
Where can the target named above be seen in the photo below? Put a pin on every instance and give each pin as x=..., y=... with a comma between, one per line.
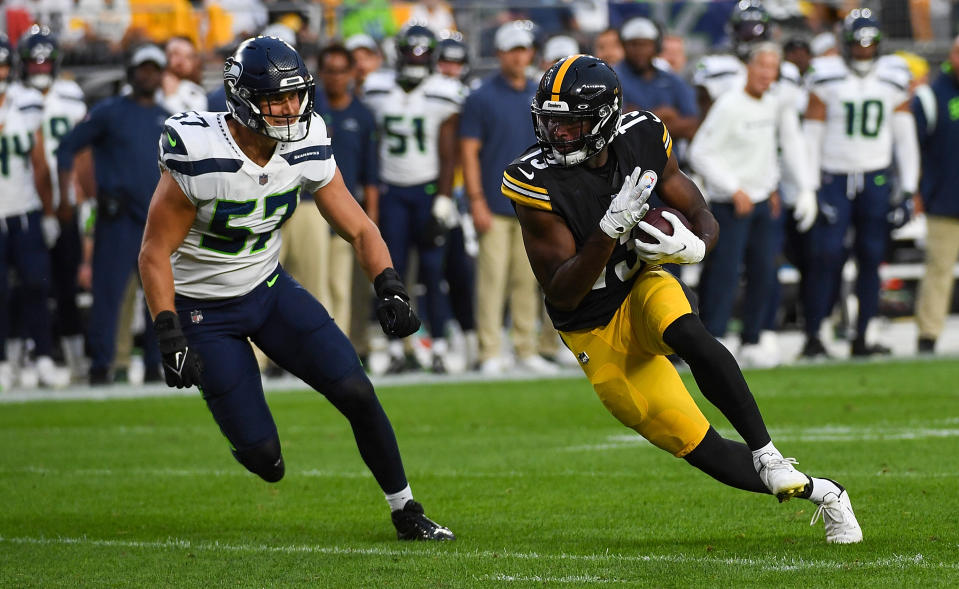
x=361, y=40
x=558, y=47
x=148, y=53
x=822, y=43
x=512, y=35
x=639, y=28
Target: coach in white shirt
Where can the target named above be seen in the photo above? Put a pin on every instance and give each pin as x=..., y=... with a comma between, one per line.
x=735, y=151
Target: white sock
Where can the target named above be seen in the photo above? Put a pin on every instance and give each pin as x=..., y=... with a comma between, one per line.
x=396, y=349
x=820, y=487
x=398, y=500
x=767, y=449
x=440, y=347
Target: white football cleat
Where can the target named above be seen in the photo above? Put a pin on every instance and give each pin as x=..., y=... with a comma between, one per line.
x=837, y=514
x=781, y=477
x=50, y=375
x=536, y=364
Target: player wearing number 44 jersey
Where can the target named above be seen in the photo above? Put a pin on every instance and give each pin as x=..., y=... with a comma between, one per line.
x=858, y=116
x=212, y=281
x=580, y=196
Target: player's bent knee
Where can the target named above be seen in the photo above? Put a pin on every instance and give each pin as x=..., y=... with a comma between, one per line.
x=352, y=394
x=687, y=336
x=264, y=460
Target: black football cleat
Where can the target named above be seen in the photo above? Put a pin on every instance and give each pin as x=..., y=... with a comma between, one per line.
x=860, y=349
x=813, y=348
x=411, y=524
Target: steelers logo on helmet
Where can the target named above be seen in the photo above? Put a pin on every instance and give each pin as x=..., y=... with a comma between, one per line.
x=39, y=54
x=861, y=35
x=415, y=46
x=269, y=89
x=576, y=110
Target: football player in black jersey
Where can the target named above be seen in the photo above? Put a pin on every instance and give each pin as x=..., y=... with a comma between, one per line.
x=579, y=194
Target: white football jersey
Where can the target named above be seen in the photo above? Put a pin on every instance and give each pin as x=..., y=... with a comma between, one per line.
x=188, y=96
x=20, y=117
x=409, y=124
x=859, y=111
x=63, y=108
x=234, y=243
x=721, y=72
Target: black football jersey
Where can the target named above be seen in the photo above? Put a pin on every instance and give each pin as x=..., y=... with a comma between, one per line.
x=581, y=196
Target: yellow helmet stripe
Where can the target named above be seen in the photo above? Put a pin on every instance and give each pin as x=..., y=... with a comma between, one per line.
x=558, y=82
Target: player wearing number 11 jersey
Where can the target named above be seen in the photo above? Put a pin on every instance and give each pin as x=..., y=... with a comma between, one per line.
x=212, y=281
x=579, y=196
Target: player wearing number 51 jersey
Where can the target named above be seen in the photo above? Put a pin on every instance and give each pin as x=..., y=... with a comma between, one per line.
x=417, y=112
x=212, y=281
x=579, y=196
x=858, y=117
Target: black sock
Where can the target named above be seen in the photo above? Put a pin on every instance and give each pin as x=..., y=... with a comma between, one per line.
x=718, y=376
x=353, y=396
x=729, y=462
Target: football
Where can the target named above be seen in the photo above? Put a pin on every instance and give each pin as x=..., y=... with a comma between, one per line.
x=655, y=218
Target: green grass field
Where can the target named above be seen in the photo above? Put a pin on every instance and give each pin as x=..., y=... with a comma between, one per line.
x=541, y=485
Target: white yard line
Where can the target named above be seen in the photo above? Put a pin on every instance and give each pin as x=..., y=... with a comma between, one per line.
x=771, y=563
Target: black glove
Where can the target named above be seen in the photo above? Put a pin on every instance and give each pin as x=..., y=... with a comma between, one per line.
x=902, y=212
x=393, y=305
x=182, y=366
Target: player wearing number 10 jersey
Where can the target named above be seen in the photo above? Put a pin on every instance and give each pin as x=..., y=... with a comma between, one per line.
x=211, y=278
x=579, y=196
x=858, y=116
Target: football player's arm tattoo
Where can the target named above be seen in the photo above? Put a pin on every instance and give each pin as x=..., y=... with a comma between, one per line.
x=169, y=219
x=679, y=192
x=565, y=274
x=348, y=219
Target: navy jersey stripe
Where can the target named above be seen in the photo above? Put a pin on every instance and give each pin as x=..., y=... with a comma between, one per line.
x=893, y=83
x=32, y=107
x=440, y=97
x=829, y=79
x=315, y=152
x=207, y=166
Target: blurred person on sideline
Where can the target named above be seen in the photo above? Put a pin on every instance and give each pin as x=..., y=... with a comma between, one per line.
x=122, y=131
x=936, y=108
x=609, y=47
x=181, y=89
x=495, y=127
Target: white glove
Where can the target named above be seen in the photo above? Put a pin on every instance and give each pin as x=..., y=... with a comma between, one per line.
x=806, y=210
x=682, y=247
x=629, y=206
x=444, y=211
x=50, y=227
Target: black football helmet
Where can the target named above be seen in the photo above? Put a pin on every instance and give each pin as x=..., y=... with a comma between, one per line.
x=577, y=109
x=6, y=58
x=748, y=24
x=415, y=46
x=861, y=28
x=39, y=53
x=260, y=71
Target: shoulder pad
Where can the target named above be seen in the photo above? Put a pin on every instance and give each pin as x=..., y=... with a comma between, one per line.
x=894, y=70
x=715, y=66
x=648, y=124
x=187, y=144
x=314, y=152
x=790, y=73
x=378, y=82
x=828, y=69
x=68, y=89
x=441, y=87
x=521, y=181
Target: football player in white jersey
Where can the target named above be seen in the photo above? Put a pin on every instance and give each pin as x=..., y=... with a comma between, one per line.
x=28, y=224
x=63, y=108
x=858, y=117
x=211, y=278
x=417, y=113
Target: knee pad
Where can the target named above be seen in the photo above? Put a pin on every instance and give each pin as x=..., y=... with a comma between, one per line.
x=352, y=394
x=264, y=460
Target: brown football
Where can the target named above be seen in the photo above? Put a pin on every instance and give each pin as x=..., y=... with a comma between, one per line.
x=655, y=218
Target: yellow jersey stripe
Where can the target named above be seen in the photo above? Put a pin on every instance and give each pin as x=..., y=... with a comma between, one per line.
x=667, y=142
x=524, y=185
x=558, y=82
x=543, y=205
